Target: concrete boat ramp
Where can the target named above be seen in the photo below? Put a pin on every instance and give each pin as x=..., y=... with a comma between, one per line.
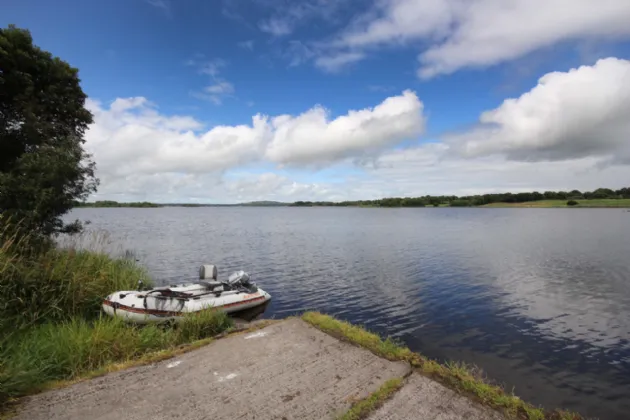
x=287, y=370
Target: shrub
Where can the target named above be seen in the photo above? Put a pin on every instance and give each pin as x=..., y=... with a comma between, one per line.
x=572, y=203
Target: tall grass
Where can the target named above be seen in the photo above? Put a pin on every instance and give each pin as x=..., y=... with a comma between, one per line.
x=68, y=349
x=58, y=283
x=51, y=325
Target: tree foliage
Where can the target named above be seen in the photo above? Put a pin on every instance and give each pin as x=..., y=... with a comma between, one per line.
x=475, y=200
x=43, y=166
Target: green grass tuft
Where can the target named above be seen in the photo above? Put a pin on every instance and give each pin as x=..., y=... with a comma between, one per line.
x=362, y=409
x=357, y=335
x=458, y=376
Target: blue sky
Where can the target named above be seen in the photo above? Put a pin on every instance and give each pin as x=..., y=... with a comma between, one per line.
x=199, y=65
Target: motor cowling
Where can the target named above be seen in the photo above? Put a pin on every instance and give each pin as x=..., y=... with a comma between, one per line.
x=239, y=277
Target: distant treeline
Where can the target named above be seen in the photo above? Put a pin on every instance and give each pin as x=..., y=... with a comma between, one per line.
x=109, y=203
x=476, y=200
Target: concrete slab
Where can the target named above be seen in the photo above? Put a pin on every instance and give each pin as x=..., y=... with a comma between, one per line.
x=288, y=370
x=424, y=399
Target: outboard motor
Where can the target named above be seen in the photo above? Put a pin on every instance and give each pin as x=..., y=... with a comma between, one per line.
x=238, y=277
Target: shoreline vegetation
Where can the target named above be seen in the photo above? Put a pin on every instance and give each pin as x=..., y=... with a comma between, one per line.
x=599, y=198
x=51, y=324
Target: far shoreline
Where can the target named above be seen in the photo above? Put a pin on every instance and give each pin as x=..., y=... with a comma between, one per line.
x=607, y=203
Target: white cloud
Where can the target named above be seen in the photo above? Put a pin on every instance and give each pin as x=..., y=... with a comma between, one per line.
x=271, y=186
x=426, y=169
x=335, y=62
x=312, y=138
x=574, y=118
x=131, y=138
x=220, y=88
x=581, y=113
x=480, y=33
x=432, y=169
x=132, y=141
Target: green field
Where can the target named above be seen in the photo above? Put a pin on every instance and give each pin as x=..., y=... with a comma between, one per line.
x=602, y=203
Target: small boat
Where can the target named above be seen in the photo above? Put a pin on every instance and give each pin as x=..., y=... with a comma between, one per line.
x=171, y=303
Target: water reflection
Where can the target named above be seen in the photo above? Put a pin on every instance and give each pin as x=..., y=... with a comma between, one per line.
x=539, y=298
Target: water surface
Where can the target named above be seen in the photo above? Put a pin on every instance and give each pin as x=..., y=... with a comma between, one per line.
x=538, y=298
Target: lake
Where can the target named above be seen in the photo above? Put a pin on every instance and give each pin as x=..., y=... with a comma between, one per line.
x=538, y=298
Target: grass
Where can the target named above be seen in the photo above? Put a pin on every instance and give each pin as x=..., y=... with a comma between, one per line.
x=457, y=376
x=51, y=325
x=361, y=409
x=58, y=284
x=70, y=349
x=595, y=203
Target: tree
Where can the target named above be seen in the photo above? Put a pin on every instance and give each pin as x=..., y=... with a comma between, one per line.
x=43, y=166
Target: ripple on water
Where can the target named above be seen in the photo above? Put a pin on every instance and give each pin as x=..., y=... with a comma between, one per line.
x=539, y=299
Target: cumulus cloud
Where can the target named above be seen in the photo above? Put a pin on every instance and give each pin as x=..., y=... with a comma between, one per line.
x=579, y=113
x=427, y=169
x=130, y=137
x=312, y=138
x=480, y=33
x=575, y=118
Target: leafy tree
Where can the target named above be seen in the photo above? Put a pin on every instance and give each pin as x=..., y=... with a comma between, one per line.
x=43, y=166
x=603, y=193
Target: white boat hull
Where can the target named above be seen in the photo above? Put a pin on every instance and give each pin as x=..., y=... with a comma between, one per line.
x=143, y=307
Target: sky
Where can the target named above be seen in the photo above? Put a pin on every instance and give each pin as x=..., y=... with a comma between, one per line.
x=227, y=101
